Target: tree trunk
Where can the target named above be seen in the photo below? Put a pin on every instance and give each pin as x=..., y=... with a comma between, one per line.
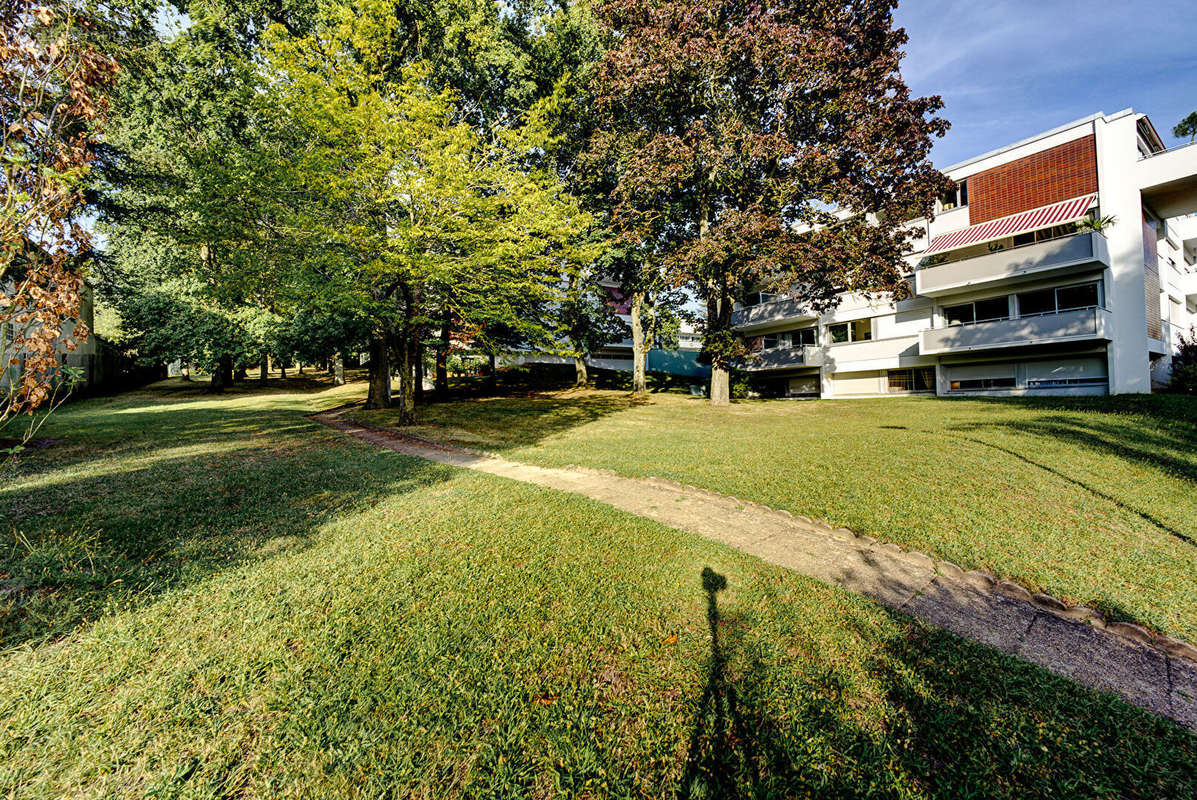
x=492, y=374
x=300, y=368
x=185, y=370
x=282, y=371
x=442, y=363
x=222, y=375
x=407, y=394
x=241, y=374
x=263, y=371
x=338, y=369
x=639, y=354
x=580, y=376
x=718, y=320
x=418, y=367
x=379, y=395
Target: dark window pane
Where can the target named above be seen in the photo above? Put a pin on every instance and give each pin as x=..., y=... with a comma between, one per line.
x=1038, y=302
x=862, y=329
x=804, y=336
x=899, y=380
x=769, y=341
x=959, y=315
x=992, y=308
x=924, y=379
x=839, y=332
x=964, y=193
x=1024, y=238
x=1077, y=296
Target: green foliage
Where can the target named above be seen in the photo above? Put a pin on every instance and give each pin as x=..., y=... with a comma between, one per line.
x=1186, y=127
x=1184, y=365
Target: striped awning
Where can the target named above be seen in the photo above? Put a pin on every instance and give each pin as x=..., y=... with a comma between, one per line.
x=1036, y=218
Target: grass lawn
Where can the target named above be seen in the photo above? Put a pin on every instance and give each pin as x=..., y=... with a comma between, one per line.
x=1093, y=500
x=214, y=598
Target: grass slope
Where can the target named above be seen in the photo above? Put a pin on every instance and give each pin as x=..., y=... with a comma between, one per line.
x=233, y=603
x=1093, y=500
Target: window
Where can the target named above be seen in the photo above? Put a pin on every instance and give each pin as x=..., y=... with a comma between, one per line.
x=787, y=339
x=1040, y=383
x=1062, y=298
x=1071, y=297
x=921, y=379
x=956, y=197
x=973, y=384
x=858, y=330
x=987, y=310
x=803, y=337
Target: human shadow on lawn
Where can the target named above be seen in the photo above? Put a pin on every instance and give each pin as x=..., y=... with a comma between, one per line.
x=958, y=720
x=78, y=544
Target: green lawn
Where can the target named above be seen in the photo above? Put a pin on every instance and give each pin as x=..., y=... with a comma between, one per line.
x=214, y=598
x=1093, y=500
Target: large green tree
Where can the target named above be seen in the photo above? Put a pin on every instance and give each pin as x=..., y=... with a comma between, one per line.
x=736, y=131
x=405, y=211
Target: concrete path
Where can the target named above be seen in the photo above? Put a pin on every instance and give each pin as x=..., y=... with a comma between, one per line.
x=1156, y=672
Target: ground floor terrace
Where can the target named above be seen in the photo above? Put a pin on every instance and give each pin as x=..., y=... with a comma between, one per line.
x=216, y=596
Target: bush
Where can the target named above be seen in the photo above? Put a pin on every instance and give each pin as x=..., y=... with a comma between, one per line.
x=1184, y=365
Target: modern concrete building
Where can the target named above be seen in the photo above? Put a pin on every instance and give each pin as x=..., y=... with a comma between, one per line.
x=1009, y=294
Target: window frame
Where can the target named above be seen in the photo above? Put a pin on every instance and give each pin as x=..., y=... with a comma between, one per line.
x=849, y=326
x=959, y=194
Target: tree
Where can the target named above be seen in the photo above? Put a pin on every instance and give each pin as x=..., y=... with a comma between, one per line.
x=735, y=131
x=407, y=216
x=1186, y=127
x=588, y=320
x=56, y=71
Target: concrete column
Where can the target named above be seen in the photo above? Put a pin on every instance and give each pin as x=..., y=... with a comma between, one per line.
x=1129, y=364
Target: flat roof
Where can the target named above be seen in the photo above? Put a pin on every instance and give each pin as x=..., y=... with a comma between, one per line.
x=1031, y=139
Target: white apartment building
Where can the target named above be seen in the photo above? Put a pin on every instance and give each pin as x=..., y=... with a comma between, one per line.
x=1009, y=296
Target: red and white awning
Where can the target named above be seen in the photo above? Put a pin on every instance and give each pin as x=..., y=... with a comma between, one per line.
x=1036, y=218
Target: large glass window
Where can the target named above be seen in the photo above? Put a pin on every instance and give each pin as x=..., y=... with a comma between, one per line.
x=991, y=308
x=1063, y=298
x=1042, y=301
x=1070, y=297
x=804, y=337
x=859, y=330
x=921, y=379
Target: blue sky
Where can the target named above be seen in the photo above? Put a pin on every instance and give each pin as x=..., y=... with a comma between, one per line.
x=1008, y=70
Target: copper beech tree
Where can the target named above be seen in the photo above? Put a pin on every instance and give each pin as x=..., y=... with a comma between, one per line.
x=50, y=103
x=753, y=144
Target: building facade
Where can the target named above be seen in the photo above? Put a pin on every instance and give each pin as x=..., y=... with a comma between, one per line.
x=1012, y=292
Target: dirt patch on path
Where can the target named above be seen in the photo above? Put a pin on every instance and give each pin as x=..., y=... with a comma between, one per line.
x=1155, y=672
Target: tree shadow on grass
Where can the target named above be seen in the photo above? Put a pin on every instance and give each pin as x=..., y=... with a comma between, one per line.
x=159, y=499
x=936, y=717
x=503, y=423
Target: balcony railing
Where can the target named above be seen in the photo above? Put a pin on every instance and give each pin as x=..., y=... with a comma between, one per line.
x=769, y=313
x=1079, y=324
x=1032, y=260
x=852, y=355
x=782, y=358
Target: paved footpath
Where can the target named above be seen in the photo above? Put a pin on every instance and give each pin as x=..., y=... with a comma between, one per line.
x=1156, y=672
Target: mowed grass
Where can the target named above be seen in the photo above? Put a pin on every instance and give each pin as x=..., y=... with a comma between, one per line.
x=214, y=598
x=1090, y=499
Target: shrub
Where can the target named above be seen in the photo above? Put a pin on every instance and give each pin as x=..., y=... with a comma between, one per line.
x=1184, y=365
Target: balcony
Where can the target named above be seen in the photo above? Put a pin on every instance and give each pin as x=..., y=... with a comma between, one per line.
x=1037, y=260
x=1084, y=324
x=752, y=318
x=783, y=358
x=874, y=353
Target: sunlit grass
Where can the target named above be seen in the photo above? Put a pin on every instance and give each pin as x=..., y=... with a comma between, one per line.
x=1093, y=500
x=306, y=616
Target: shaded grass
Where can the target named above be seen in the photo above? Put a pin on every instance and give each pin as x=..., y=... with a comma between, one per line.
x=1090, y=499
x=443, y=633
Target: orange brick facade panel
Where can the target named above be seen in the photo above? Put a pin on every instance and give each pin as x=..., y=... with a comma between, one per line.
x=1061, y=173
